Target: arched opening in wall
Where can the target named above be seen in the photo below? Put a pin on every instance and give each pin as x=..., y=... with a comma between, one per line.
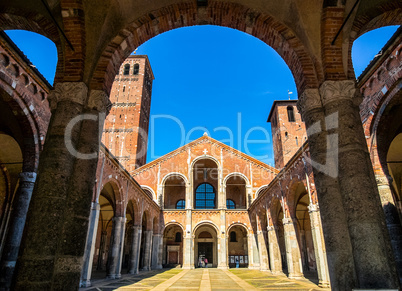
x=388, y=169
x=237, y=246
x=236, y=193
x=41, y=57
x=205, y=183
x=186, y=70
x=148, y=193
x=304, y=234
x=369, y=47
x=174, y=192
x=172, y=246
x=205, y=246
x=394, y=162
x=10, y=167
x=107, y=203
x=128, y=236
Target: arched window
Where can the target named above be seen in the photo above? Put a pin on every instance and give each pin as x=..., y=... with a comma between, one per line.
x=136, y=69
x=126, y=69
x=291, y=114
x=205, y=196
x=181, y=204
x=230, y=204
x=178, y=237
x=233, y=236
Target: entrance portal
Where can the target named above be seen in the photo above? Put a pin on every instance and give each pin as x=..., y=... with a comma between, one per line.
x=205, y=251
x=205, y=246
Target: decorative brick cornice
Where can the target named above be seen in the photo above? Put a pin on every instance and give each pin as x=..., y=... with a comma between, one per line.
x=68, y=91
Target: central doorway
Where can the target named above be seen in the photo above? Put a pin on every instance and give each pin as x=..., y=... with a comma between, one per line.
x=205, y=251
x=205, y=245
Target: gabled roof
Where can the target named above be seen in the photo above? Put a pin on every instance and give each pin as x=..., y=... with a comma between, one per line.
x=198, y=141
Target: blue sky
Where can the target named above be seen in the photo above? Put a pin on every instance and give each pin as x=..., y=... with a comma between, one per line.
x=210, y=78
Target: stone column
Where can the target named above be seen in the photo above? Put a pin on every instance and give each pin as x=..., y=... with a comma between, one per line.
x=292, y=250
x=334, y=223
x=90, y=245
x=222, y=242
x=102, y=249
x=274, y=251
x=188, y=248
x=156, y=243
x=254, y=256
x=135, y=250
x=319, y=246
x=264, y=264
x=61, y=199
x=391, y=216
x=114, y=248
x=17, y=223
x=372, y=253
x=147, y=250
x=160, y=253
x=121, y=252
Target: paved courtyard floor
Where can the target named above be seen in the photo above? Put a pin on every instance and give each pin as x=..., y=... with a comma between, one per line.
x=203, y=279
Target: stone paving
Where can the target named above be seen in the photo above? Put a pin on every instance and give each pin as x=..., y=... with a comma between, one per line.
x=203, y=279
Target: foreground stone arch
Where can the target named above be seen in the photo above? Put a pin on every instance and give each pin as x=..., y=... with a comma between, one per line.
x=304, y=67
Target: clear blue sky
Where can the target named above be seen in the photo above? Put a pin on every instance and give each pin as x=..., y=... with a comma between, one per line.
x=210, y=78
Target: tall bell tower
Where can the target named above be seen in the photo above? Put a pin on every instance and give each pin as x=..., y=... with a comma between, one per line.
x=125, y=132
x=288, y=130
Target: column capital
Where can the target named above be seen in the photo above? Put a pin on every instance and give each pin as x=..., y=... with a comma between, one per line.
x=337, y=90
x=287, y=220
x=313, y=208
x=28, y=177
x=99, y=101
x=270, y=228
x=309, y=100
x=68, y=91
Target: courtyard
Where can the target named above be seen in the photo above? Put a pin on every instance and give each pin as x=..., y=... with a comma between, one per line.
x=203, y=279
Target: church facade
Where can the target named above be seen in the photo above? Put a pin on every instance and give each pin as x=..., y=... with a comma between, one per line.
x=204, y=200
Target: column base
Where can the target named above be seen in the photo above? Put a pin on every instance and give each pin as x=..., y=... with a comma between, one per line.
x=158, y=267
x=223, y=267
x=277, y=273
x=85, y=284
x=324, y=284
x=188, y=267
x=111, y=276
x=295, y=276
x=146, y=269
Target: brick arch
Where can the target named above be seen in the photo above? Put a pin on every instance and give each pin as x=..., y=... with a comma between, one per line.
x=27, y=124
x=305, y=68
x=389, y=13
x=38, y=23
x=274, y=209
x=118, y=196
x=148, y=218
x=291, y=194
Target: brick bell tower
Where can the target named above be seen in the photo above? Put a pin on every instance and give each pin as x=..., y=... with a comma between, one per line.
x=288, y=130
x=125, y=132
